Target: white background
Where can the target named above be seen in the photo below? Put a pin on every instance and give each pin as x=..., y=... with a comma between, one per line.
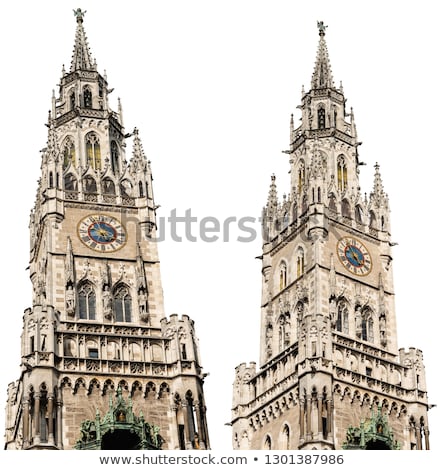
x=211, y=86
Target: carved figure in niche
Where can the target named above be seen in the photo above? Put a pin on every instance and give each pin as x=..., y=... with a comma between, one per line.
x=70, y=301
x=142, y=299
x=107, y=303
x=358, y=319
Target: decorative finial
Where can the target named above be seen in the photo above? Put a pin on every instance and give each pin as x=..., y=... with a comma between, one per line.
x=79, y=14
x=322, y=27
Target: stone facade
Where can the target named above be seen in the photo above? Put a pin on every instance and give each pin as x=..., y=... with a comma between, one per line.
x=97, y=323
x=329, y=356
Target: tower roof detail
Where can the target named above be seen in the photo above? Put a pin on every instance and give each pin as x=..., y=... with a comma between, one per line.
x=81, y=57
x=322, y=75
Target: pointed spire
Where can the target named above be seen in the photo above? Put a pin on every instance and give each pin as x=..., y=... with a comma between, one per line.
x=81, y=58
x=272, y=193
x=378, y=190
x=322, y=76
x=138, y=160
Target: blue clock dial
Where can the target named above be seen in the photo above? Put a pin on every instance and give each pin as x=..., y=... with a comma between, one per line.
x=354, y=256
x=101, y=233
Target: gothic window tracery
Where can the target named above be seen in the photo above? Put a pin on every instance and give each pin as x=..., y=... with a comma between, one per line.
x=367, y=333
x=87, y=97
x=93, y=156
x=122, y=304
x=321, y=117
x=342, y=317
x=342, y=173
x=87, y=301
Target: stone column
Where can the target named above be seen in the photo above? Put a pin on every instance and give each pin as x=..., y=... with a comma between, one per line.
x=25, y=405
x=186, y=418
x=309, y=431
x=418, y=438
x=200, y=427
x=59, y=438
x=37, y=418
x=329, y=417
x=50, y=410
x=426, y=437
x=301, y=419
x=320, y=403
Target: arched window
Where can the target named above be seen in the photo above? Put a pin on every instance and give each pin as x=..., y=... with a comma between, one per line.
x=140, y=189
x=70, y=182
x=301, y=177
x=372, y=220
x=282, y=275
x=267, y=442
x=122, y=304
x=285, y=438
x=69, y=152
x=125, y=188
x=300, y=262
x=114, y=156
x=93, y=157
x=51, y=179
x=342, y=173
x=367, y=326
x=89, y=185
x=359, y=214
x=321, y=118
x=87, y=97
x=87, y=301
x=72, y=100
x=342, y=317
x=108, y=186
x=345, y=208
x=332, y=203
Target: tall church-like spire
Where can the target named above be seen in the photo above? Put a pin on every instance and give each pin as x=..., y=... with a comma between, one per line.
x=94, y=266
x=322, y=75
x=328, y=338
x=81, y=57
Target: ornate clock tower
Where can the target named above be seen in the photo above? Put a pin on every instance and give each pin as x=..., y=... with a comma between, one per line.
x=330, y=374
x=101, y=365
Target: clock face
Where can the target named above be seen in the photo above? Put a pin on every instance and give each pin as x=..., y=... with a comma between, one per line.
x=354, y=256
x=101, y=233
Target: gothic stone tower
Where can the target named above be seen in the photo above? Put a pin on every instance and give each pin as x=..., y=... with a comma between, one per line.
x=96, y=338
x=330, y=373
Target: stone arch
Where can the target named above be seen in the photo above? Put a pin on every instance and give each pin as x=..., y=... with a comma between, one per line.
x=79, y=383
x=284, y=437
x=267, y=442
